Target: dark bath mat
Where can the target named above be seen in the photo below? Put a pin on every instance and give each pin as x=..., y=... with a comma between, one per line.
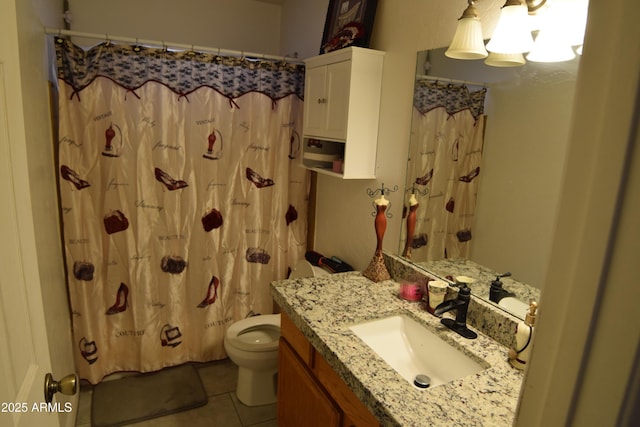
x=147, y=396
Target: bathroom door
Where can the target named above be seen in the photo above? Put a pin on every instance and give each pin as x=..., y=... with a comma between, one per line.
x=24, y=352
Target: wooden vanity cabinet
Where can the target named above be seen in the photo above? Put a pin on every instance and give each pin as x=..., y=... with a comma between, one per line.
x=310, y=392
x=301, y=401
x=341, y=111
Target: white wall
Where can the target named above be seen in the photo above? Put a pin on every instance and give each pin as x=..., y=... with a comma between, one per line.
x=243, y=25
x=302, y=27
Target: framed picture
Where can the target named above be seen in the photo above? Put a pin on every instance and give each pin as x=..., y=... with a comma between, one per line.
x=348, y=23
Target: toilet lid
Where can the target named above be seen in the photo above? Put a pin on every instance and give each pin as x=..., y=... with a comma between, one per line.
x=303, y=268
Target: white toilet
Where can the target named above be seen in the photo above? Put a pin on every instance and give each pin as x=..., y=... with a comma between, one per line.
x=252, y=344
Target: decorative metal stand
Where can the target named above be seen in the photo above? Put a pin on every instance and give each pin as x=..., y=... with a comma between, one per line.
x=411, y=219
x=377, y=271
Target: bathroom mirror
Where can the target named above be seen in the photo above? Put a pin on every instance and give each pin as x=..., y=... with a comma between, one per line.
x=527, y=114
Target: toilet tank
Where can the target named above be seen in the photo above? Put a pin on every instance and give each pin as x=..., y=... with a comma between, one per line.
x=303, y=268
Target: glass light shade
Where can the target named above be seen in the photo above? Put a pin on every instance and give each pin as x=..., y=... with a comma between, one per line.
x=505, y=59
x=550, y=48
x=467, y=42
x=513, y=32
x=553, y=40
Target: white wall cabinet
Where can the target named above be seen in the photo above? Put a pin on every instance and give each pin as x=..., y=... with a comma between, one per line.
x=341, y=112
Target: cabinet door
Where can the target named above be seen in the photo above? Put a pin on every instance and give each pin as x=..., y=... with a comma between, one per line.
x=315, y=99
x=337, y=105
x=355, y=414
x=301, y=401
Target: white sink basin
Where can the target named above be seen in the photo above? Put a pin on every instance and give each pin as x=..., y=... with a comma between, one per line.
x=412, y=349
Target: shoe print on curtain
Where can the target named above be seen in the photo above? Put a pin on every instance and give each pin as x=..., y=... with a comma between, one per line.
x=122, y=300
x=214, y=283
x=181, y=199
x=170, y=183
x=71, y=176
x=257, y=180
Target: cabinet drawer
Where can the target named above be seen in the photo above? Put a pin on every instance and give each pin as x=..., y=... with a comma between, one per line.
x=297, y=340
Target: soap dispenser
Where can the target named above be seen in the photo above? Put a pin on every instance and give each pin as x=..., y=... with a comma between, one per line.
x=524, y=334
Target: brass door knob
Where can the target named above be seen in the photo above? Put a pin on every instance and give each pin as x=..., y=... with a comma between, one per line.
x=68, y=385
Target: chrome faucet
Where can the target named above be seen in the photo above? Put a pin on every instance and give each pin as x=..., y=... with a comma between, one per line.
x=460, y=305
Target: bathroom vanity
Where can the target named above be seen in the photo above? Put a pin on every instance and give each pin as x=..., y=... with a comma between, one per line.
x=319, y=311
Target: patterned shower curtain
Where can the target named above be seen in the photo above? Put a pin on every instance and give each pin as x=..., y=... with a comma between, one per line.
x=181, y=198
x=447, y=138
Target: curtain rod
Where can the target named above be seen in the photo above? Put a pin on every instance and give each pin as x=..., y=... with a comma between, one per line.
x=448, y=80
x=177, y=46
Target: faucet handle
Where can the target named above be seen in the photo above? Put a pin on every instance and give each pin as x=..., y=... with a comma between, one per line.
x=464, y=291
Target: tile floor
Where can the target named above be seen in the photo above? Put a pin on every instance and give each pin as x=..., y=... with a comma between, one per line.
x=223, y=409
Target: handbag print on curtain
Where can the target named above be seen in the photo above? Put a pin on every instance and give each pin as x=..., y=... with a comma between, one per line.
x=181, y=198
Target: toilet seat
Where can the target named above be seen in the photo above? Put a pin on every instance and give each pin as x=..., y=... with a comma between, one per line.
x=256, y=334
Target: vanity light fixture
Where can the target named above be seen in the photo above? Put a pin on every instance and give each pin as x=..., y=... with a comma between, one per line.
x=513, y=33
x=560, y=24
x=468, y=42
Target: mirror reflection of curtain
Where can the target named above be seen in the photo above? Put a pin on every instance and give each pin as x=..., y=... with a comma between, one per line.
x=444, y=159
x=181, y=199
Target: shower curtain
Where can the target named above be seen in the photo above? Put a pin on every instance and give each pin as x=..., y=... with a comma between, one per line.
x=444, y=166
x=181, y=198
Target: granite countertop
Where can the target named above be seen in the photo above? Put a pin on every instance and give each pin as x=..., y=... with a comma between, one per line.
x=324, y=307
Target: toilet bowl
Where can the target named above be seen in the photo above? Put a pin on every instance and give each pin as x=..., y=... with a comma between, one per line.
x=252, y=344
